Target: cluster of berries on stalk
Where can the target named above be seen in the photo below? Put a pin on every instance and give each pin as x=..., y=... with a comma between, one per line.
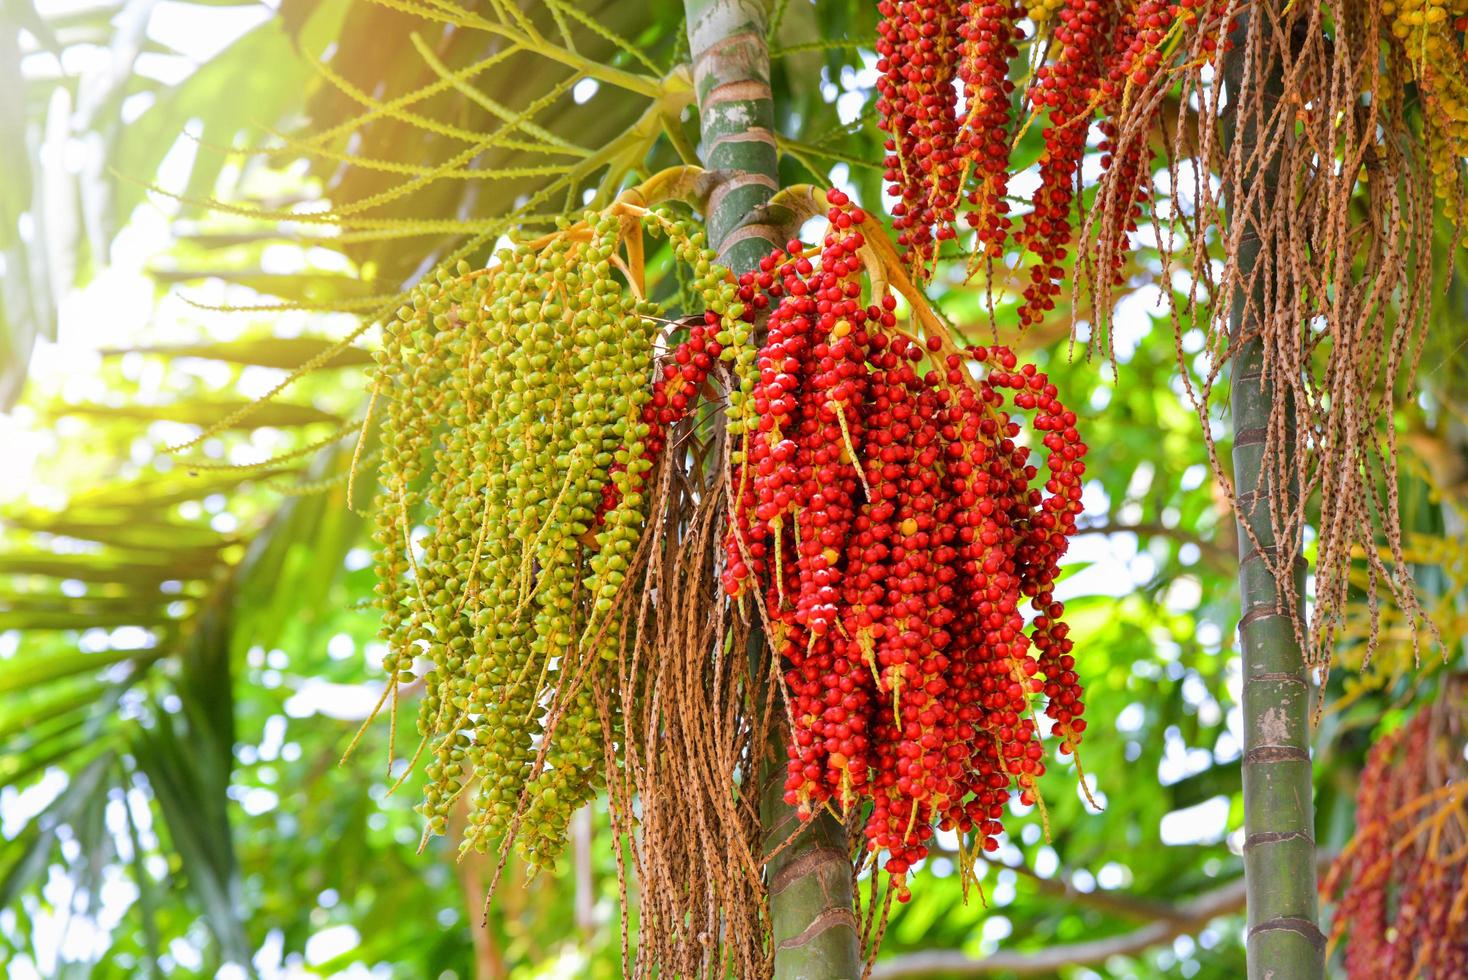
x=948, y=104
x=1400, y=883
x=904, y=547
x=674, y=395
x=915, y=104
x=522, y=424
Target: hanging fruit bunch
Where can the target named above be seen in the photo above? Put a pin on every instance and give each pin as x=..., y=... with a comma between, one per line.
x=527, y=404
x=893, y=529
x=952, y=111
x=903, y=547
x=1134, y=91
x=1402, y=882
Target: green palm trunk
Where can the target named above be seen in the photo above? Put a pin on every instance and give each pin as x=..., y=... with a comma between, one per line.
x=1284, y=938
x=814, y=928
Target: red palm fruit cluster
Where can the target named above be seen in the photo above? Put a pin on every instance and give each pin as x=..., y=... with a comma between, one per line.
x=946, y=147
x=918, y=62
x=1140, y=46
x=990, y=33
x=1067, y=87
x=896, y=533
x=1403, y=894
x=674, y=395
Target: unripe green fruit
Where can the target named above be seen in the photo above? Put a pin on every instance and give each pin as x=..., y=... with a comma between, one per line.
x=513, y=402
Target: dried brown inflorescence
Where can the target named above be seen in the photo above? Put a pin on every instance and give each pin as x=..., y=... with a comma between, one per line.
x=1336, y=286
x=683, y=785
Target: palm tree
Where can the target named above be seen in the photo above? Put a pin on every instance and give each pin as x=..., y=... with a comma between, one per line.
x=178, y=689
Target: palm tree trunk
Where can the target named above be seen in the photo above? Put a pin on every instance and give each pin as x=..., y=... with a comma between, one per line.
x=814, y=928
x=1284, y=938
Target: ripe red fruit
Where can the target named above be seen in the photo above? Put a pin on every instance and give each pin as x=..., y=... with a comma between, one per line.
x=895, y=530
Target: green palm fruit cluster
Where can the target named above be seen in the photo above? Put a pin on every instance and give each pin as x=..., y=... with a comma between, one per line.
x=511, y=392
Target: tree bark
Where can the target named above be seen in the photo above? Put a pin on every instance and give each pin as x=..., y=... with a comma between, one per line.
x=814, y=928
x=1284, y=938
